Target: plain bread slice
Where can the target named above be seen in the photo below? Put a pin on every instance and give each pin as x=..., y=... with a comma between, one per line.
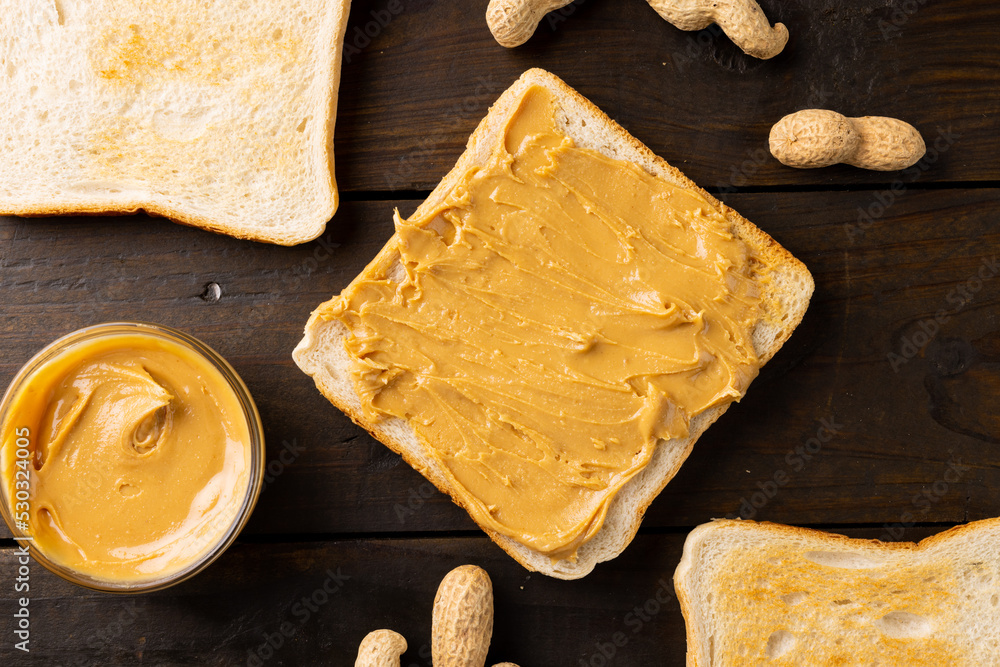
x=768, y=594
x=216, y=115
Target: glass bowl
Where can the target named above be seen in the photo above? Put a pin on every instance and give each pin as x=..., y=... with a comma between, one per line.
x=10, y=445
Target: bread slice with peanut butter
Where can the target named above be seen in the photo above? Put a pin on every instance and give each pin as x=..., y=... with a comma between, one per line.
x=546, y=337
x=214, y=115
x=767, y=594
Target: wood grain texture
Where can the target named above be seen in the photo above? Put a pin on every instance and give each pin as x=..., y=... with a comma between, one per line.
x=413, y=93
x=896, y=428
x=226, y=615
x=835, y=431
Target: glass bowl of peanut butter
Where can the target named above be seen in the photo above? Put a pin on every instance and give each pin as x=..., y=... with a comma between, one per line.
x=132, y=455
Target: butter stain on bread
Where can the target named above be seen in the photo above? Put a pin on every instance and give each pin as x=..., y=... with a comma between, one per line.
x=785, y=294
x=215, y=115
x=768, y=594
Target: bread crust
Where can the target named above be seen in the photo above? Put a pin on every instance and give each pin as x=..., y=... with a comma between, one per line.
x=785, y=311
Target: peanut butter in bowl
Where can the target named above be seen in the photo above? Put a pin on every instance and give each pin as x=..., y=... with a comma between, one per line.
x=131, y=456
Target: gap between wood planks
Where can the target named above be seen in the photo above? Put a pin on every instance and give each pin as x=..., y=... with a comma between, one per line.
x=390, y=195
x=308, y=538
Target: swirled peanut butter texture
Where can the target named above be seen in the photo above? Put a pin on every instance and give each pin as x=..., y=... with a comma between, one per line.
x=140, y=453
x=556, y=316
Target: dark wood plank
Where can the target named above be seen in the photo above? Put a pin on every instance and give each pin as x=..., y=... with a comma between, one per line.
x=896, y=431
x=225, y=615
x=412, y=94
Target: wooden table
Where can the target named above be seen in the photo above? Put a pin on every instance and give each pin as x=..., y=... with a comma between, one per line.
x=889, y=251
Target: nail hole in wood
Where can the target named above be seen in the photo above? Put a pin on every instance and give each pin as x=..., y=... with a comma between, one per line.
x=212, y=292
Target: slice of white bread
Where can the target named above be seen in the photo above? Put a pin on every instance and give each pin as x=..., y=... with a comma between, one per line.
x=786, y=291
x=215, y=114
x=767, y=594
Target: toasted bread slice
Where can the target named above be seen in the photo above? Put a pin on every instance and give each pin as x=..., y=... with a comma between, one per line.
x=767, y=594
x=787, y=289
x=212, y=114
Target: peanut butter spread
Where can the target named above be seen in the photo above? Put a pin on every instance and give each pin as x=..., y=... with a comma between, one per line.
x=139, y=455
x=556, y=315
